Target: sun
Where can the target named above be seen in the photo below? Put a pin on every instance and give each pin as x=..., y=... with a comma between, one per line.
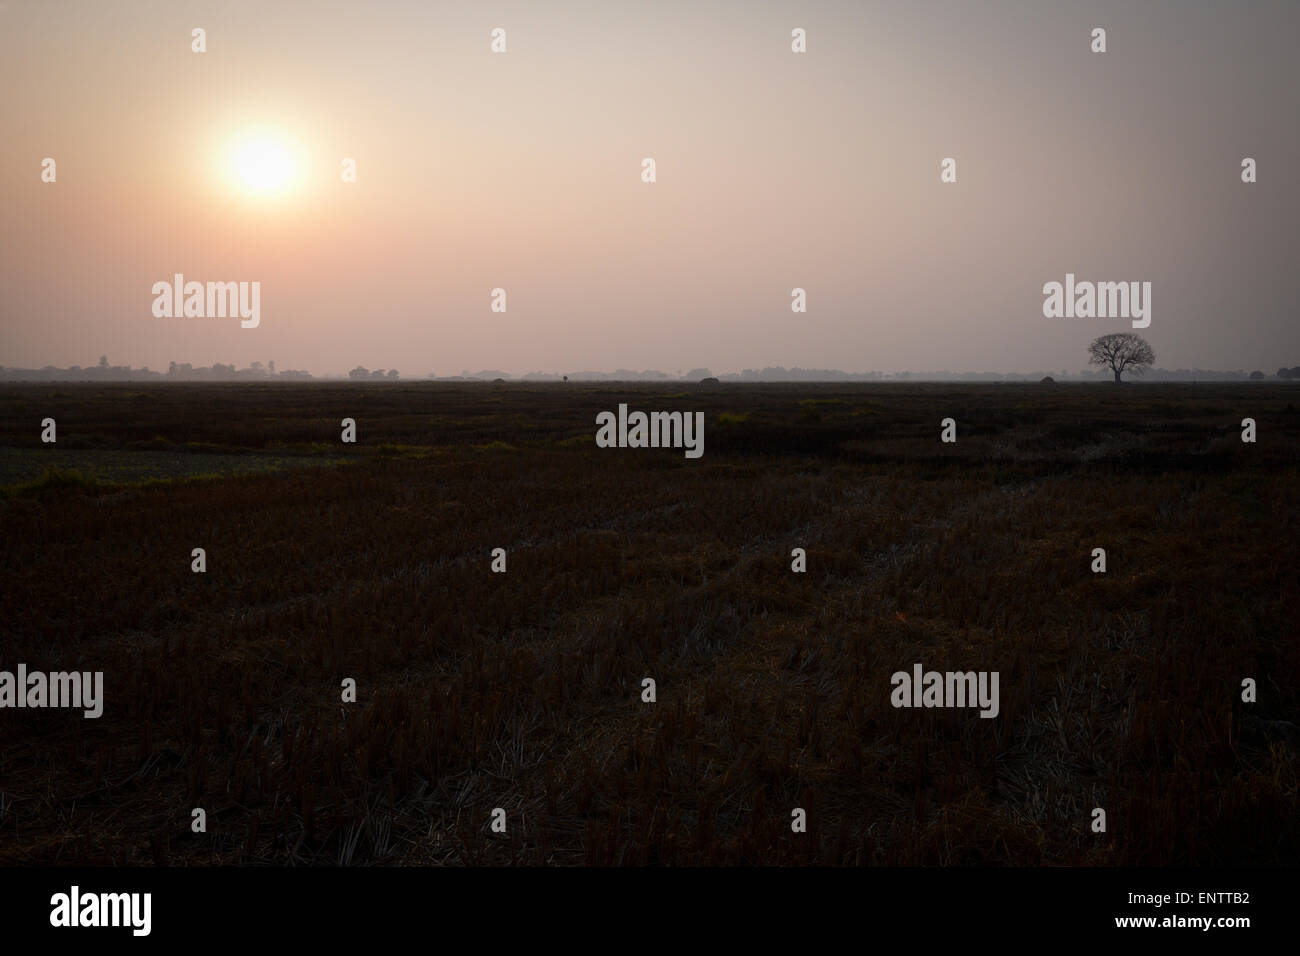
x=263, y=165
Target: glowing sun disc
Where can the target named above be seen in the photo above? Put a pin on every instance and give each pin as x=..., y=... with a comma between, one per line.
x=263, y=166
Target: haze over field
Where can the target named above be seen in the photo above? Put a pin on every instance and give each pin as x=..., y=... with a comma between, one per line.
x=522, y=171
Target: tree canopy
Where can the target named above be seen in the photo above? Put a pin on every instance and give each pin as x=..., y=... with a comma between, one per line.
x=1121, y=352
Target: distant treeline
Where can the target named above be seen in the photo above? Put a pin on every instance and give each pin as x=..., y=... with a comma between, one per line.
x=256, y=371
x=176, y=372
x=796, y=374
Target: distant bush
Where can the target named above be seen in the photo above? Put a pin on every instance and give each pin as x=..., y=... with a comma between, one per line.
x=157, y=443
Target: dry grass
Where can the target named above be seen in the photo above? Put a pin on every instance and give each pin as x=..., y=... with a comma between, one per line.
x=522, y=690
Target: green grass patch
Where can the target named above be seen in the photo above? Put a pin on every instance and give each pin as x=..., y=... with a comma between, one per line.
x=55, y=481
x=48, y=469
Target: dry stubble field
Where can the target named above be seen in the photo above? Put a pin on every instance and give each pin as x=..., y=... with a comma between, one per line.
x=523, y=690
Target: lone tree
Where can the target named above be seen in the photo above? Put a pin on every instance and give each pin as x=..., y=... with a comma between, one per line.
x=1121, y=352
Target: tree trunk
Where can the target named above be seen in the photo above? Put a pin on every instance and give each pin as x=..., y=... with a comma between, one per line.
x=1117, y=375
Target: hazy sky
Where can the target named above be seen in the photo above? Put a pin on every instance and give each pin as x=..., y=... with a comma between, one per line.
x=522, y=171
